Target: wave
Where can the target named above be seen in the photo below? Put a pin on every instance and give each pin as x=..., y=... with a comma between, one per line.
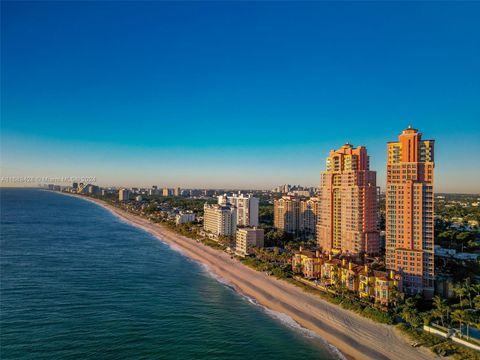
x=281, y=317
x=218, y=278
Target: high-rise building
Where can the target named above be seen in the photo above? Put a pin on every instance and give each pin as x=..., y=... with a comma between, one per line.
x=286, y=214
x=295, y=215
x=220, y=220
x=348, y=200
x=167, y=192
x=176, y=191
x=409, y=211
x=123, y=194
x=247, y=207
x=309, y=211
x=246, y=238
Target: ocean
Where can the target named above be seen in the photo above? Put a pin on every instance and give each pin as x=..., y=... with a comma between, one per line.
x=79, y=283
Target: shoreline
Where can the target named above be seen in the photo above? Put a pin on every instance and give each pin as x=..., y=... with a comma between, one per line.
x=354, y=336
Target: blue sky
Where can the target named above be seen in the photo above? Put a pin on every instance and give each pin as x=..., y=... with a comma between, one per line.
x=236, y=94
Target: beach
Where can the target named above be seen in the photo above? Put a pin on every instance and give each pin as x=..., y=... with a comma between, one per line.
x=354, y=336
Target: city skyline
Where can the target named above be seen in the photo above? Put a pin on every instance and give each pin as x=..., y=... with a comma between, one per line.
x=224, y=95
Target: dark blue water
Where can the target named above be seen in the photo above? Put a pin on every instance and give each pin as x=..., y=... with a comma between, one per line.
x=78, y=283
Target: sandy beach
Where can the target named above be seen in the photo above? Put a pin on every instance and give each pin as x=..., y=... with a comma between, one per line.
x=356, y=337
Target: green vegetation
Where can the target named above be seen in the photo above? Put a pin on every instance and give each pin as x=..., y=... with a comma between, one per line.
x=350, y=303
x=186, y=204
x=279, y=271
x=456, y=239
x=265, y=214
x=189, y=230
x=213, y=244
x=438, y=345
x=458, y=206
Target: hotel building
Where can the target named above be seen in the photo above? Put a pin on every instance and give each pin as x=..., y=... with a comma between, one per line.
x=246, y=238
x=247, y=208
x=409, y=211
x=220, y=220
x=348, y=203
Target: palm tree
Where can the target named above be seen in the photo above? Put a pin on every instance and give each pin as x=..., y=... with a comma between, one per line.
x=469, y=289
x=459, y=316
x=442, y=310
x=410, y=312
x=460, y=292
x=476, y=301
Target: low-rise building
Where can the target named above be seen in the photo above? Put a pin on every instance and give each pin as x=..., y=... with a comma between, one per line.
x=349, y=275
x=379, y=286
x=184, y=218
x=308, y=263
x=246, y=238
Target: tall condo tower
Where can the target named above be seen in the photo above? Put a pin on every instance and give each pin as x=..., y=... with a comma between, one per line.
x=348, y=203
x=409, y=211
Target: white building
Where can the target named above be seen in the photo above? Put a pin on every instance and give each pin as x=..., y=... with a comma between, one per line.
x=123, y=194
x=246, y=238
x=219, y=219
x=247, y=207
x=184, y=218
x=138, y=198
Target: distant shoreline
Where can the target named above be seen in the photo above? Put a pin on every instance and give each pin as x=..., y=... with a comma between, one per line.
x=354, y=336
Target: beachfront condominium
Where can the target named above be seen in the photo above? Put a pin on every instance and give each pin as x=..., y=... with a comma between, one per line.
x=246, y=238
x=123, y=194
x=309, y=210
x=348, y=203
x=286, y=214
x=295, y=215
x=409, y=211
x=220, y=219
x=247, y=207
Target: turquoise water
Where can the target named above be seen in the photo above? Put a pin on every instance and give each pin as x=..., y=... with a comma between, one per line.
x=78, y=283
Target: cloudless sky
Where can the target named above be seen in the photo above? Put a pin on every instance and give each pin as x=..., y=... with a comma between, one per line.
x=235, y=94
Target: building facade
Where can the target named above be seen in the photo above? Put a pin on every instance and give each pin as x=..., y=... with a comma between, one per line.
x=286, y=214
x=295, y=215
x=309, y=211
x=246, y=238
x=219, y=220
x=348, y=220
x=123, y=194
x=247, y=207
x=409, y=211
x=379, y=286
x=184, y=218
